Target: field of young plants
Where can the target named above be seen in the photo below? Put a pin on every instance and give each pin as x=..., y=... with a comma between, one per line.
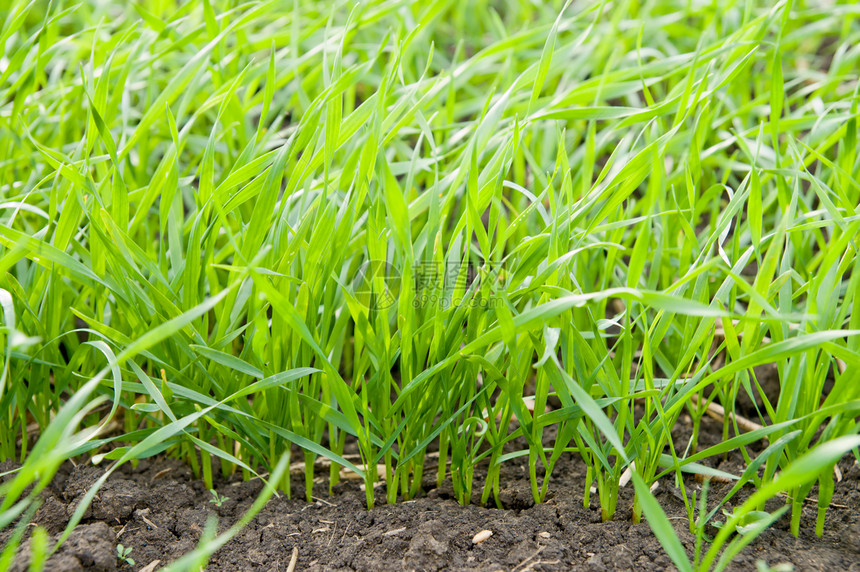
x=501, y=259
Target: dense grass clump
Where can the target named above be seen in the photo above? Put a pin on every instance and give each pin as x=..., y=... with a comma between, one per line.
x=232, y=231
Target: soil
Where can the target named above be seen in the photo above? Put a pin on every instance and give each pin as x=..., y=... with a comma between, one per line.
x=160, y=510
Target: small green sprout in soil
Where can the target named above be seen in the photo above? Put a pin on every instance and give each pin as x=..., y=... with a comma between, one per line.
x=123, y=554
x=218, y=499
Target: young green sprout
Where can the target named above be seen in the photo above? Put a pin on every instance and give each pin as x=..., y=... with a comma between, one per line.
x=123, y=554
x=217, y=499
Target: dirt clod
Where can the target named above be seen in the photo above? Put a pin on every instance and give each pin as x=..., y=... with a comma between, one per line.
x=163, y=518
x=89, y=547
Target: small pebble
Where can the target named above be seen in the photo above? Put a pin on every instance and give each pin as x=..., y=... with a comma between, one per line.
x=482, y=536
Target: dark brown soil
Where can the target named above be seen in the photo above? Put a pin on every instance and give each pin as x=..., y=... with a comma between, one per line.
x=159, y=510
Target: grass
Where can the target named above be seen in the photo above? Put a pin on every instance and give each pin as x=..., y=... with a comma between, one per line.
x=233, y=231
